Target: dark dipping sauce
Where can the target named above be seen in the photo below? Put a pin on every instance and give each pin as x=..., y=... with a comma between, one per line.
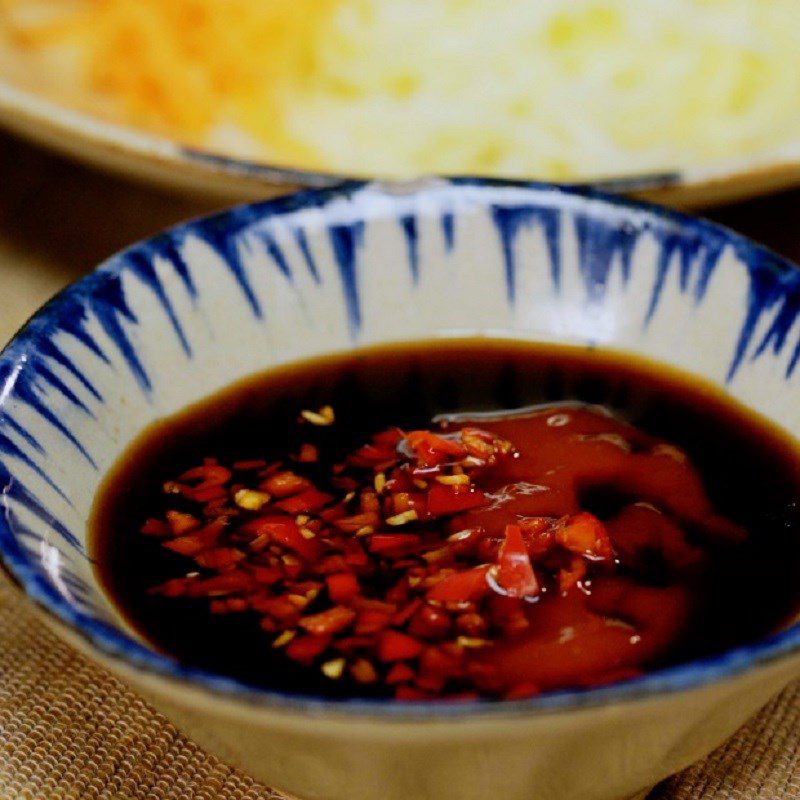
x=610, y=516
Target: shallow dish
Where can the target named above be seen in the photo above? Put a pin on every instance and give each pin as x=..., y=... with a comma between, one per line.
x=171, y=165
x=178, y=316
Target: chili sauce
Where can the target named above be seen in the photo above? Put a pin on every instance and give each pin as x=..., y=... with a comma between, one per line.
x=453, y=520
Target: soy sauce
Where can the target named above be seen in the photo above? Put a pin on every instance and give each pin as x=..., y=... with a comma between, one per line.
x=750, y=470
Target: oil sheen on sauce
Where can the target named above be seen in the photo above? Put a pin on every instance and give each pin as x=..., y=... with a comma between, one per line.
x=696, y=495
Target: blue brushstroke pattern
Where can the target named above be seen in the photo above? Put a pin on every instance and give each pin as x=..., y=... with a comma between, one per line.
x=11, y=487
x=509, y=220
x=448, y=230
x=49, y=350
x=144, y=268
x=166, y=246
x=672, y=242
x=408, y=222
x=786, y=296
x=39, y=364
x=302, y=243
x=8, y=421
x=226, y=239
x=26, y=386
x=107, y=302
x=345, y=240
x=267, y=238
x=599, y=243
x=714, y=247
x=769, y=287
x=68, y=314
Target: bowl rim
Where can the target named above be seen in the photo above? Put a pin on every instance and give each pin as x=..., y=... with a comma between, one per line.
x=115, y=645
x=40, y=109
x=164, y=161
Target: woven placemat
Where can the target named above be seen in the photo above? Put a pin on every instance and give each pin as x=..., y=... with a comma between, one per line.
x=70, y=731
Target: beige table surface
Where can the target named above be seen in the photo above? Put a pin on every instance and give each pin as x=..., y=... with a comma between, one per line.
x=69, y=730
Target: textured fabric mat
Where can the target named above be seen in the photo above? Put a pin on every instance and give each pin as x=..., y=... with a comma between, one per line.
x=70, y=731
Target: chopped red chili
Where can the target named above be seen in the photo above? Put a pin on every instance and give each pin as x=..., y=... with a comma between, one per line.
x=514, y=572
x=342, y=586
x=304, y=502
x=397, y=646
x=444, y=500
x=433, y=450
x=431, y=564
x=341, y=542
x=328, y=622
x=585, y=535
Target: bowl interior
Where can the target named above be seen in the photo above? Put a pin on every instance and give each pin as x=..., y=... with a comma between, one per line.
x=177, y=317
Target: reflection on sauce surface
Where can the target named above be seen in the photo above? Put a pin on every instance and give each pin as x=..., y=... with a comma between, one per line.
x=467, y=519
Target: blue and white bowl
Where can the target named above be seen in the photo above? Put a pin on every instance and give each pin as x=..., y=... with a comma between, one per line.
x=183, y=314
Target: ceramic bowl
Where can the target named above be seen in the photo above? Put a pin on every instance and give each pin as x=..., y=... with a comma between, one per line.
x=187, y=312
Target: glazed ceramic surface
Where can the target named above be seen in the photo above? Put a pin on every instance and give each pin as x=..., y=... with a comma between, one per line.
x=181, y=315
x=169, y=164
